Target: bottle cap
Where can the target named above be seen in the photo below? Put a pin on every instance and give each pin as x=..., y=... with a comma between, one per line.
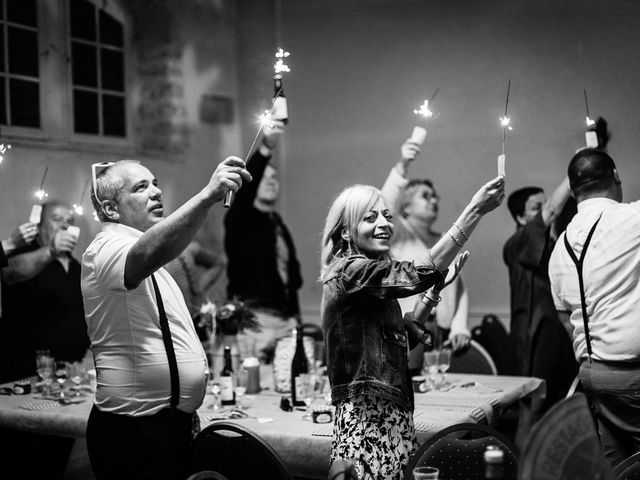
x=493, y=454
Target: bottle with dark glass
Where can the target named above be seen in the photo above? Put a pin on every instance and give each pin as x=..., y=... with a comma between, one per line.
x=279, y=111
x=493, y=463
x=227, y=390
x=299, y=366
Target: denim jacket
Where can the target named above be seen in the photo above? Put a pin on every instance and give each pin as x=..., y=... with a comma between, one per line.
x=364, y=332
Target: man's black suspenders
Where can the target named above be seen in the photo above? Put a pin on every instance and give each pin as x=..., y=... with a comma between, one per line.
x=579, y=263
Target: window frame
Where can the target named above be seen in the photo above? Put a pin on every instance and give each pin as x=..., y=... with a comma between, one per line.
x=55, y=68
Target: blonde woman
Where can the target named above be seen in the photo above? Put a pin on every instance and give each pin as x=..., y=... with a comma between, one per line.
x=366, y=337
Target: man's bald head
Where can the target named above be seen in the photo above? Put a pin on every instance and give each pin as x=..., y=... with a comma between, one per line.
x=592, y=173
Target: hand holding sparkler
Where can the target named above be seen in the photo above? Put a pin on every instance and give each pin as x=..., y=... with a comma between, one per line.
x=227, y=177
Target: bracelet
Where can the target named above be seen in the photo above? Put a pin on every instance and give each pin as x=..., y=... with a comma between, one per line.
x=466, y=237
x=426, y=299
x=455, y=239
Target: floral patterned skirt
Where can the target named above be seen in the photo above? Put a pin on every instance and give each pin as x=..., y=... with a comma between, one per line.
x=376, y=434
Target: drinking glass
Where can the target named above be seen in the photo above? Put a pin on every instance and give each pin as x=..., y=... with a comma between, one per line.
x=426, y=473
x=431, y=362
x=44, y=369
x=61, y=371
x=444, y=362
x=242, y=378
x=215, y=391
x=76, y=374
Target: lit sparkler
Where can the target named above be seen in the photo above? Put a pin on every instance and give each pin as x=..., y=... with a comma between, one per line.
x=588, y=119
x=77, y=207
x=266, y=119
x=3, y=150
x=505, y=123
x=40, y=194
x=419, y=133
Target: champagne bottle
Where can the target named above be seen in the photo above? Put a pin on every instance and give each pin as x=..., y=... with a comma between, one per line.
x=279, y=111
x=299, y=366
x=493, y=463
x=227, y=391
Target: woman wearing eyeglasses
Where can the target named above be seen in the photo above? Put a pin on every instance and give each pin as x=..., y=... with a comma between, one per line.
x=415, y=205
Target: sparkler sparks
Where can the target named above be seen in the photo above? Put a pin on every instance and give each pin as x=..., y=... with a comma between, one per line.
x=3, y=150
x=423, y=110
x=589, y=120
x=280, y=66
x=41, y=195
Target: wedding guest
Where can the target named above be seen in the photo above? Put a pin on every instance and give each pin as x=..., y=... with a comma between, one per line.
x=538, y=343
x=414, y=205
x=263, y=267
x=41, y=310
x=365, y=334
x=594, y=270
x=42, y=302
x=150, y=365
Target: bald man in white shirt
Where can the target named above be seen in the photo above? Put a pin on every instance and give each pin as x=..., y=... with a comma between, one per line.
x=151, y=372
x=602, y=245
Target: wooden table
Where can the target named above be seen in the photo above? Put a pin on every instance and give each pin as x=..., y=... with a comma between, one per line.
x=303, y=445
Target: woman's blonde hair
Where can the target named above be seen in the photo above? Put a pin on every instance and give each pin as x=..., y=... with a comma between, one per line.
x=345, y=213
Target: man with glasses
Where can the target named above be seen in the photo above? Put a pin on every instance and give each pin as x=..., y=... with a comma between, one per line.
x=150, y=365
x=415, y=206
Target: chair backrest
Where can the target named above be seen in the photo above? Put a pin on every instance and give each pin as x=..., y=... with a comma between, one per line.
x=458, y=452
x=629, y=469
x=237, y=453
x=207, y=475
x=342, y=470
x=564, y=445
x=474, y=359
x=492, y=335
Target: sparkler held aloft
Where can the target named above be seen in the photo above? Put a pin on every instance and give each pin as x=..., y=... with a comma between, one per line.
x=505, y=123
x=40, y=194
x=419, y=133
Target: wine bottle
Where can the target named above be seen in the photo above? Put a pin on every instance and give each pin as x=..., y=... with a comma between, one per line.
x=227, y=390
x=299, y=366
x=279, y=110
x=493, y=463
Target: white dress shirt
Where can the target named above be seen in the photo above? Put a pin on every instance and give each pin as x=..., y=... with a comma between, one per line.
x=453, y=310
x=611, y=272
x=126, y=339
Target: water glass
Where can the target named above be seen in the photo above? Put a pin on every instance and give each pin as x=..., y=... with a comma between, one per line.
x=426, y=473
x=61, y=371
x=242, y=378
x=431, y=363
x=77, y=374
x=44, y=369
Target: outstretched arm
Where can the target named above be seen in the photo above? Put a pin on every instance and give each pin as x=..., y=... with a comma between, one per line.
x=554, y=204
x=165, y=240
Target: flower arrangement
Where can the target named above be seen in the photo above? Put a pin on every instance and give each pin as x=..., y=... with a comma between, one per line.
x=228, y=318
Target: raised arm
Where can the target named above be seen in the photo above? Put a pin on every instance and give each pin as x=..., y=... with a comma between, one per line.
x=165, y=240
x=488, y=198
x=24, y=266
x=398, y=176
x=20, y=237
x=556, y=201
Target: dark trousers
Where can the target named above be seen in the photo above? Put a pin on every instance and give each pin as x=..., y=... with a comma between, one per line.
x=614, y=392
x=148, y=447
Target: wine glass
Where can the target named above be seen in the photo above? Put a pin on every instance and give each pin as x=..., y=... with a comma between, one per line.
x=215, y=391
x=61, y=371
x=242, y=378
x=444, y=362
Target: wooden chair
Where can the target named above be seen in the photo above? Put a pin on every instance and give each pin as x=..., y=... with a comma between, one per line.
x=564, y=445
x=237, y=453
x=629, y=469
x=474, y=359
x=457, y=451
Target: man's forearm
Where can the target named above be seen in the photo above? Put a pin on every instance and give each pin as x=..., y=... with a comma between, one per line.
x=166, y=240
x=27, y=265
x=555, y=202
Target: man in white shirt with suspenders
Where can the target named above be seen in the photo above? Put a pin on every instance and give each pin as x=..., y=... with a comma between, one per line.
x=594, y=271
